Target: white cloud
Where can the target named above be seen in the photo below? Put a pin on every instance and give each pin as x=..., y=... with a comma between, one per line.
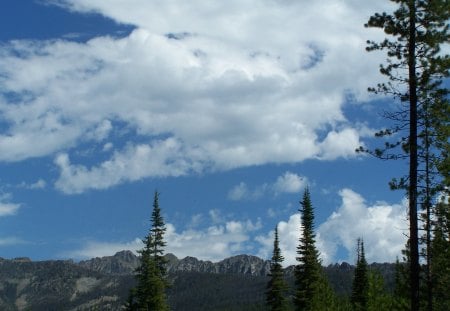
x=239, y=192
x=382, y=226
x=163, y=158
x=94, y=249
x=225, y=239
x=290, y=183
x=287, y=183
x=39, y=184
x=243, y=192
x=6, y=207
x=225, y=94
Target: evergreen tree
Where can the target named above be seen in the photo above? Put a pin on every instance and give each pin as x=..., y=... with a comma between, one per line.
x=276, y=288
x=377, y=297
x=150, y=291
x=418, y=29
x=157, y=231
x=360, y=282
x=440, y=268
x=312, y=289
x=401, y=300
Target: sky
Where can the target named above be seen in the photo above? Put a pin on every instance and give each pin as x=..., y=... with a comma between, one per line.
x=229, y=109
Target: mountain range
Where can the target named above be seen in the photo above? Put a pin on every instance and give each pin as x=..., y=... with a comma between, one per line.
x=235, y=283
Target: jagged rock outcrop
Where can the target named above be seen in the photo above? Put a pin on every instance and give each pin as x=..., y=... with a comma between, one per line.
x=126, y=262
x=122, y=263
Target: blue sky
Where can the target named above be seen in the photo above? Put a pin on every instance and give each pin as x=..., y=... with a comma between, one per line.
x=228, y=109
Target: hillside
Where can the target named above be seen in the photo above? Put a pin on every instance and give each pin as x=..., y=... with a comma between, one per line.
x=104, y=282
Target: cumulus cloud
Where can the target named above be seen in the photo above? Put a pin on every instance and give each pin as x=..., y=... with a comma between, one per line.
x=6, y=207
x=93, y=249
x=381, y=225
x=290, y=183
x=225, y=239
x=161, y=159
x=206, y=76
x=287, y=183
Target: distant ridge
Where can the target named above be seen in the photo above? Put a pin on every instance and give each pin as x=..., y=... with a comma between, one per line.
x=236, y=283
x=125, y=262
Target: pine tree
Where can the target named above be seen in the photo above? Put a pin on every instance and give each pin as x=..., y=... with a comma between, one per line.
x=360, y=281
x=378, y=298
x=401, y=300
x=276, y=288
x=150, y=291
x=157, y=232
x=418, y=29
x=441, y=259
x=312, y=289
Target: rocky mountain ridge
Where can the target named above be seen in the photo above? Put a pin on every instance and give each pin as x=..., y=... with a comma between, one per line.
x=125, y=262
x=104, y=283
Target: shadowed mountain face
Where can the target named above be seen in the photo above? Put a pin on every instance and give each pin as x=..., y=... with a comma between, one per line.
x=235, y=283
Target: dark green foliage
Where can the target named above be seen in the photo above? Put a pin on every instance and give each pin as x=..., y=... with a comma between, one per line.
x=401, y=290
x=312, y=291
x=157, y=243
x=360, y=290
x=276, y=287
x=217, y=292
x=52, y=285
x=440, y=269
x=150, y=291
x=415, y=70
x=378, y=298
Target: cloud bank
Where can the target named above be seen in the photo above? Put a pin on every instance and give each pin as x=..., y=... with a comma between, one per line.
x=196, y=87
x=381, y=225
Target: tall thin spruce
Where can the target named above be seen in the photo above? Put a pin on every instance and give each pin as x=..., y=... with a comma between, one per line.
x=150, y=291
x=276, y=287
x=308, y=270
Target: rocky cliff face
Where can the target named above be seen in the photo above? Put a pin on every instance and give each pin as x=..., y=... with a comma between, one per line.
x=122, y=263
x=125, y=262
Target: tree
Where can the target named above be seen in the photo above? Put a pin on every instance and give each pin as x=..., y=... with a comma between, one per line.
x=312, y=289
x=360, y=281
x=377, y=298
x=441, y=263
x=276, y=288
x=150, y=291
x=415, y=69
x=157, y=233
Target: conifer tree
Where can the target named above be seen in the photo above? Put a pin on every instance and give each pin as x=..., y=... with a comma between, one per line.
x=415, y=70
x=276, y=288
x=312, y=288
x=400, y=297
x=157, y=232
x=360, y=281
x=378, y=298
x=440, y=268
x=150, y=291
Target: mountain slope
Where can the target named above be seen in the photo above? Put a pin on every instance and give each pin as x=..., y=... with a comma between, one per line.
x=235, y=283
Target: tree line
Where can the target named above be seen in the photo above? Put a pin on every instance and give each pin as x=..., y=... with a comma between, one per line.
x=311, y=290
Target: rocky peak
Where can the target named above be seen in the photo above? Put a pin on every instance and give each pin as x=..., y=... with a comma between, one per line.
x=123, y=262
x=245, y=264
